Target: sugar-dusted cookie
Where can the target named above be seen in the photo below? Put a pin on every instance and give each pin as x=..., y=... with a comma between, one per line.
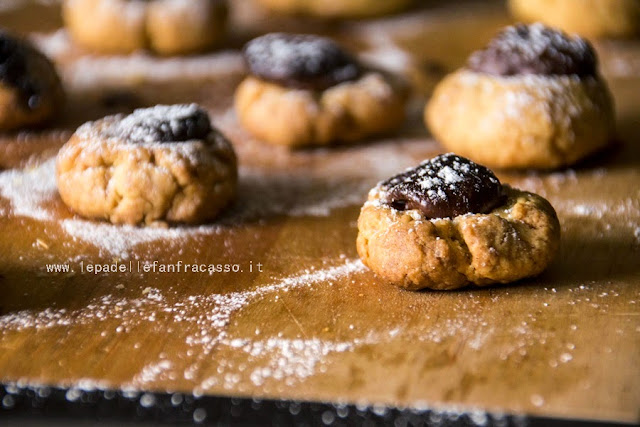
x=532, y=99
x=160, y=164
x=30, y=89
x=450, y=223
x=168, y=27
x=337, y=8
x=590, y=18
x=306, y=90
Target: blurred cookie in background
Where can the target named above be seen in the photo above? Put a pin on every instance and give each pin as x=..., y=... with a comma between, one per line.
x=30, y=89
x=533, y=98
x=336, y=8
x=167, y=27
x=589, y=18
x=306, y=90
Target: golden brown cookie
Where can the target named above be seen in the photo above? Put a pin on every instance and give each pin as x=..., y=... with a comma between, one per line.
x=449, y=223
x=30, y=89
x=590, y=18
x=305, y=90
x=531, y=99
x=160, y=164
x=167, y=27
x=337, y=8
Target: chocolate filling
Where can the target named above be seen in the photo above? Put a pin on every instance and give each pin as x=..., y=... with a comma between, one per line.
x=15, y=71
x=535, y=49
x=444, y=187
x=164, y=123
x=300, y=61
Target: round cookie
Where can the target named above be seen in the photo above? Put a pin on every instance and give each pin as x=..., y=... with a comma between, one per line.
x=160, y=164
x=590, y=18
x=337, y=8
x=532, y=99
x=449, y=223
x=167, y=27
x=30, y=89
x=305, y=90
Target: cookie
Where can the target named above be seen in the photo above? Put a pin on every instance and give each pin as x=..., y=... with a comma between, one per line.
x=532, y=99
x=305, y=90
x=30, y=89
x=167, y=27
x=591, y=18
x=336, y=8
x=160, y=164
x=449, y=223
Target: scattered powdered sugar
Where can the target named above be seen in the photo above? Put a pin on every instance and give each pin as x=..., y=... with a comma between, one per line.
x=152, y=372
x=626, y=208
x=289, y=359
x=29, y=189
x=121, y=240
x=32, y=193
x=208, y=316
x=219, y=307
x=263, y=194
x=89, y=71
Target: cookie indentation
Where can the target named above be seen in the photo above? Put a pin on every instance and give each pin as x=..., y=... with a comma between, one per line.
x=535, y=49
x=300, y=61
x=164, y=123
x=444, y=187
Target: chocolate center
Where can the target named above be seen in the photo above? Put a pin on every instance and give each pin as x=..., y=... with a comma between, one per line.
x=164, y=123
x=535, y=49
x=15, y=71
x=444, y=187
x=300, y=61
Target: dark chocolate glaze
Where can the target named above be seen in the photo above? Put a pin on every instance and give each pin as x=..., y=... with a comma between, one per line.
x=535, y=49
x=444, y=187
x=300, y=61
x=15, y=70
x=164, y=123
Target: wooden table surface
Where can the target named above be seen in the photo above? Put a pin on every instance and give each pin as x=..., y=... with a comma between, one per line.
x=314, y=323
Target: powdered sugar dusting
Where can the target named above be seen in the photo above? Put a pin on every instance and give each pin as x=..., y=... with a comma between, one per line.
x=548, y=96
x=28, y=190
x=32, y=193
x=121, y=240
x=300, y=60
x=89, y=71
x=208, y=317
x=290, y=360
x=533, y=40
x=163, y=123
x=535, y=49
x=221, y=306
x=444, y=186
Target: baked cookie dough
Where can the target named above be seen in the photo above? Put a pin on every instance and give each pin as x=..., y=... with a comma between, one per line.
x=30, y=89
x=305, y=90
x=167, y=27
x=337, y=8
x=590, y=18
x=160, y=164
x=532, y=99
x=450, y=223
